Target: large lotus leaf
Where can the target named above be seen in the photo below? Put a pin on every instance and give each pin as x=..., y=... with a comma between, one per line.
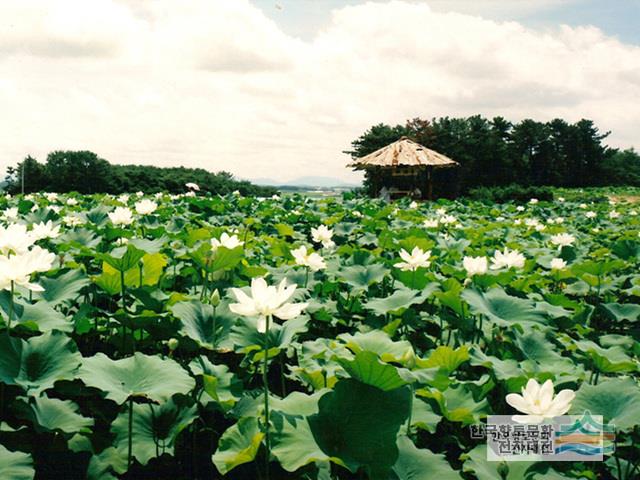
x=400, y=299
x=154, y=429
x=535, y=346
x=608, y=360
x=294, y=444
x=420, y=464
x=501, y=308
x=42, y=317
x=358, y=424
x=58, y=415
x=226, y=258
x=626, y=249
x=16, y=465
x=457, y=403
x=140, y=375
x=123, y=258
x=446, y=358
x=367, y=368
x=622, y=311
x=147, y=271
x=360, y=276
x=238, y=444
x=220, y=384
x=105, y=465
x=423, y=416
x=502, y=369
x=149, y=246
x=201, y=324
x=246, y=336
x=379, y=342
x=36, y=364
x=616, y=399
x=63, y=288
x=476, y=462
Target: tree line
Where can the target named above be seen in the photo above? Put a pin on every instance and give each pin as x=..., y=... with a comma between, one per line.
x=497, y=152
x=85, y=172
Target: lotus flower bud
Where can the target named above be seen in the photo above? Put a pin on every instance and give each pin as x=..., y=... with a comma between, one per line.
x=215, y=298
x=172, y=343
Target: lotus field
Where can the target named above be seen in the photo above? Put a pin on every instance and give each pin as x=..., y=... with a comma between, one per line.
x=158, y=336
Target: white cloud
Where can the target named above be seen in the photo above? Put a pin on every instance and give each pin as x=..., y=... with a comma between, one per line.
x=214, y=83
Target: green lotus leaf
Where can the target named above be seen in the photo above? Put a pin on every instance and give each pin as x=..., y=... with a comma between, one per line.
x=616, y=399
x=608, y=360
x=42, y=317
x=501, y=308
x=16, y=465
x=107, y=465
x=360, y=276
x=238, y=444
x=367, y=368
x=123, y=258
x=58, y=415
x=141, y=375
x=421, y=464
x=476, y=462
x=63, y=288
x=201, y=324
x=620, y=312
x=358, y=424
x=446, y=358
x=36, y=364
x=380, y=343
x=400, y=299
x=457, y=404
x=154, y=429
x=220, y=384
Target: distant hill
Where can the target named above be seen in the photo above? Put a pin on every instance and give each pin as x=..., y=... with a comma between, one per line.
x=308, y=181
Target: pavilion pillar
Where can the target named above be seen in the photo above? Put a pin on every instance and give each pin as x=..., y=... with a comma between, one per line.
x=429, y=183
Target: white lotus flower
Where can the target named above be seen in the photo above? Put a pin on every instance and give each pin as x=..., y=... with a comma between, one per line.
x=43, y=230
x=475, y=265
x=413, y=204
x=51, y=196
x=227, y=241
x=192, y=186
x=308, y=259
x=561, y=199
x=323, y=235
x=72, y=202
x=190, y=193
x=532, y=222
x=520, y=208
x=590, y=214
x=236, y=193
x=15, y=239
x=431, y=223
x=517, y=221
x=146, y=207
x=414, y=260
x=267, y=300
x=539, y=402
x=139, y=194
x=540, y=227
x=533, y=201
x=613, y=214
x=158, y=195
x=507, y=259
x=72, y=220
x=10, y=213
x=562, y=239
x=583, y=205
x=121, y=216
x=124, y=198
x=558, y=264
x=55, y=208
x=447, y=219
x=17, y=269
x=440, y=212
x=356, y=213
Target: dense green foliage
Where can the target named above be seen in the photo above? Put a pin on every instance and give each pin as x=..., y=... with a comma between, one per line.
x=85, y=172
x=497, y=152
x=514, y=192
x=131, y=365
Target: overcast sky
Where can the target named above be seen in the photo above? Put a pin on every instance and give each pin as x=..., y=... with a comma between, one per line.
x=279, y=88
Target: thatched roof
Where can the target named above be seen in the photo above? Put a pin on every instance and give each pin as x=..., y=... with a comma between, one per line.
x=404, y=152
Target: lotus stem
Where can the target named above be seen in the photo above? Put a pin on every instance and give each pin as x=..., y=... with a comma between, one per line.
x=410, y=411
x=265, y=385
x=306, y=278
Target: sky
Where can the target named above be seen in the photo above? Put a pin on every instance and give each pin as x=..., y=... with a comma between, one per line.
x=279, y=88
